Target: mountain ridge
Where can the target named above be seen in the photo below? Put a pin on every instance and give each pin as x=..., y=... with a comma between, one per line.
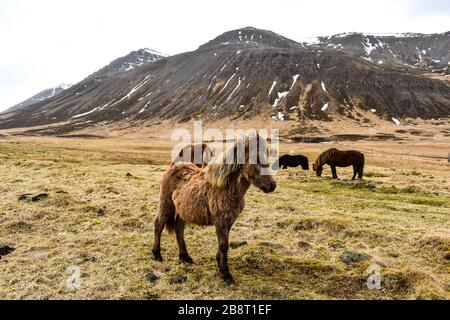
x=243, y=73
x=41, y=96
x=425, y=52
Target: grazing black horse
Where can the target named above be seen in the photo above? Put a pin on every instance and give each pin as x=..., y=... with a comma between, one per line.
x=291, y=161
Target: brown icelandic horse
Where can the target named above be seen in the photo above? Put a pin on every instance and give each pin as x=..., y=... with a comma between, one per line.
x=337, y=158
x=211, y=196
x=198, y=154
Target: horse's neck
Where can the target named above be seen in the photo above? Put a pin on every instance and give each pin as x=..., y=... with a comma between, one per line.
x=240, y=185
x=325, y=161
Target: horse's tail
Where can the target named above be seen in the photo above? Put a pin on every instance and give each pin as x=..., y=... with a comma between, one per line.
x=361, y=168
x=171, y=221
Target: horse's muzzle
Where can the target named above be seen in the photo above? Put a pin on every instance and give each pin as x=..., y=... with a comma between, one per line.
x=270, y=187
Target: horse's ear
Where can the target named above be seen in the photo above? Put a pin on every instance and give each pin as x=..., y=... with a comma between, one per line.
x=240, y=151
x=207, y=155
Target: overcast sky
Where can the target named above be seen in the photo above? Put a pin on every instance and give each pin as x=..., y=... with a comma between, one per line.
x=47, y=42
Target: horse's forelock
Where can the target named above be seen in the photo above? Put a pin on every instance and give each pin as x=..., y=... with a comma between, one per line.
x=220, y=169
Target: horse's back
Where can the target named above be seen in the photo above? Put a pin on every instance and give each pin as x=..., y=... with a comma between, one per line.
x=301, y=158
x=181, y=172
x=293, y=159
x=355, y=154
x=188, y=154
x=186, y=186
x=347, y=157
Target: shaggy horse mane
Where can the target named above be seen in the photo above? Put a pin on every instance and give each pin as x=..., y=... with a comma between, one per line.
x=324, y=156
x=221, y=168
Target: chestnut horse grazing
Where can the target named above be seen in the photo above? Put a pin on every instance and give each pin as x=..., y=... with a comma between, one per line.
x=188, y=154
x=337, y=158
x=211, y=196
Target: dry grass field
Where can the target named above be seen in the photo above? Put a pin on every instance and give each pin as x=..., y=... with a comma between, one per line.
x=100, y=219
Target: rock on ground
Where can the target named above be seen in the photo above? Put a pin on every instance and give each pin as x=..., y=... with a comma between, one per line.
x=349, y=257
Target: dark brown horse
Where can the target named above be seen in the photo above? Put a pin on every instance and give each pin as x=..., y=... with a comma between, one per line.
x=288, y=160
x=337, y=158
x=198, y=154
x=211, y=196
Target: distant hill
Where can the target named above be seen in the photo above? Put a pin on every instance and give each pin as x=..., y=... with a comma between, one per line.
x=41, y=96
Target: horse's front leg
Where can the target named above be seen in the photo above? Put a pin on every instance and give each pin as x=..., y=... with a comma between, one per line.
x=333, y=170
x=179, y=230
x=223, y=231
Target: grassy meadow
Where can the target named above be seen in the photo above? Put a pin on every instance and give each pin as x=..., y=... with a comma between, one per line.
x=102, y=197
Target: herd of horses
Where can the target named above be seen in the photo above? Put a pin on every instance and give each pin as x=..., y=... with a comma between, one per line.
x=210, y=191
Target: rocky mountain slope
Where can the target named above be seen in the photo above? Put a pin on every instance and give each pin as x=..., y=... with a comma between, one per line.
x=126, y=63
x=41, y=96
x=240, y=74
x=429, y=52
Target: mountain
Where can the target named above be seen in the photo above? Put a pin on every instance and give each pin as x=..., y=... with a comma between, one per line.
x=26, y=110
x=130, y=61
x=126, y=63
x=428, y=52
x=41, y=96
x=240, y=74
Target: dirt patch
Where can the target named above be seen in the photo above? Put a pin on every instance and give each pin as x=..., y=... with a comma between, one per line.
x=346, y=137
x=81, y=136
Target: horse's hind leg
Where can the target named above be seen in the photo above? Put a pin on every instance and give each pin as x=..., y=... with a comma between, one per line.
x=179, y=230
x=159, y=227
x=360, y=171
x=355, y=171
x=166, y=215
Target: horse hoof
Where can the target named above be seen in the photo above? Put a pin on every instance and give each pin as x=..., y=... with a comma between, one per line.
x=157, y=257
x=229, y=280
x=186, y=258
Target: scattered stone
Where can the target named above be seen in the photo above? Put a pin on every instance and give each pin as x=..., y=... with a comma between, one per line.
x=352, y=257
x=5, y=249
x=39, y=197
x=237, y=244
x=91, y=259
x=24, y=196
x=306, y=225
x=272, y=245
x=304, y=245
x=393, y=254
x=371, y=186
x=177, y=279
x=129, y=175
x=151, y=277
x=151, y=296
x=33, y=198
x=447, y=256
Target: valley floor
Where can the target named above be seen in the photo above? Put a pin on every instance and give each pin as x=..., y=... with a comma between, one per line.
x=99, y=220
